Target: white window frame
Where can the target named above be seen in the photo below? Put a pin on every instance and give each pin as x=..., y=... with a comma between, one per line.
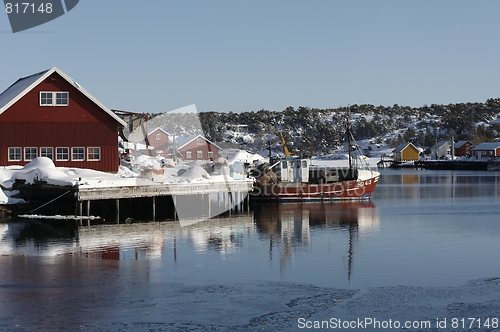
x=57, y=154
x=49, y=94
x=199, y=141
x=26, y=158
x=188, y=155
x=44, y=152
x=98, y=153
x=158, y=137
x=82, y=153
x=20, y=153
x=54, y=98
x=210, y=155
x=199, y=154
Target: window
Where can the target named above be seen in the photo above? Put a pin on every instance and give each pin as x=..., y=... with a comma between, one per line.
x=62, y=153
x=210, y=155
x=45, y=98
x=54, y=98
x=188, y=154
x=284, y=164
x=199, y=154
x=30, y=153
x=14, y=154
x=77, y=154
x=93, y=154
x=47, y=152
x=199, y=141
x=158, y=137
x=62, y=98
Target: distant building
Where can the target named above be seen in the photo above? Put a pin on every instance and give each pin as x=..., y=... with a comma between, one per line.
x=441, y=149
x=406, y=152
x=463, y=148
x=48, y=114
x=159, y=140
x=197, y=147
x=487, y=150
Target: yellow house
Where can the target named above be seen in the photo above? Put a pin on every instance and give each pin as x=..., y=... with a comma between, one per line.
x=405, y=152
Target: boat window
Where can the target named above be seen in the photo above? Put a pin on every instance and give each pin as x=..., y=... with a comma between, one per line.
x=304, y=164
x=284, y=164
x=297, y=164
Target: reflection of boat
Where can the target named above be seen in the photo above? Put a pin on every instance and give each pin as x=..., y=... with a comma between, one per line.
x=331, y=215
x=291, y=224
x=297, y=179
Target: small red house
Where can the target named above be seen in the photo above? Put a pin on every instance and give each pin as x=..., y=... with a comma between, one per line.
x=48, y=114
x=158, y=139
x=197, y=147
x=463, y=148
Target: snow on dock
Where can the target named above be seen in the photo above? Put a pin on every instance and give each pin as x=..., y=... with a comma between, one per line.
x=183, y=183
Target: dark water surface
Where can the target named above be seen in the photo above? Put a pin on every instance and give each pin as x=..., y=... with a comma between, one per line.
x=421, y=228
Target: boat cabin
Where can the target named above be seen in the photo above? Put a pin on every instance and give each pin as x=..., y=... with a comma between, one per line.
x=294, y=170
x=298, y=170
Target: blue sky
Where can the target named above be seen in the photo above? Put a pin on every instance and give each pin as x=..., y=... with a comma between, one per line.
x=156, y=56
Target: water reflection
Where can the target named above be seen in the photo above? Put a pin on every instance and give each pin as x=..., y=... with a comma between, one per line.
x=285, y=228
x=289, y=226
x=409, y=184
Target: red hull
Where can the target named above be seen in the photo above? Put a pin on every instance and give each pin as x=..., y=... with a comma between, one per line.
x=345, y=190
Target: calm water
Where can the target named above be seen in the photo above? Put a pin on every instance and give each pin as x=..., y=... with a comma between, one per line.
x=421, y=228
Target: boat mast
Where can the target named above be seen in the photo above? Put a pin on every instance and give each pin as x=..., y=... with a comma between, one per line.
x=348, y=132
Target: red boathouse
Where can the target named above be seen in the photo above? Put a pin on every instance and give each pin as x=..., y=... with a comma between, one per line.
x=48, y=114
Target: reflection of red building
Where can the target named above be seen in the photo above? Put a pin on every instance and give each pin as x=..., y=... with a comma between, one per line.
x=48, y=114
x=197, y=147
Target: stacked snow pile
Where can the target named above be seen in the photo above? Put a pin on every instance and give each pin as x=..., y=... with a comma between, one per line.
x=242, y=156
x=39, y=169
x=195, y=173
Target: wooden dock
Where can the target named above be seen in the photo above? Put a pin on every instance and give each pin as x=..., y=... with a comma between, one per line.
x=175, y=189
x=231, y=194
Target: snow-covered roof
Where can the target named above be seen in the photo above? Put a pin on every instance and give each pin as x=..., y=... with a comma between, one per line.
x=25, y=84
x=487, y=146
x=402, y=146
x=441, y=143
x=460, y=143
x=159, y=129
x=184, y=140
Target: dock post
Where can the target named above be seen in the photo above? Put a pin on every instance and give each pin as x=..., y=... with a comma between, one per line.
x=117, y=210
x=209, y=205
x=154, y=208
x=238, y=201
x=88, y=211
x=248, y=201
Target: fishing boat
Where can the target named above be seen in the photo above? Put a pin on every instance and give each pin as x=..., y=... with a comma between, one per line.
x=296, y=179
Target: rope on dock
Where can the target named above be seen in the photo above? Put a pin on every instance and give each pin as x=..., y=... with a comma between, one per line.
x=41, y=206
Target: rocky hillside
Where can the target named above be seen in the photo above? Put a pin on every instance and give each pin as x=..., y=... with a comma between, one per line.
x=312, y=131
